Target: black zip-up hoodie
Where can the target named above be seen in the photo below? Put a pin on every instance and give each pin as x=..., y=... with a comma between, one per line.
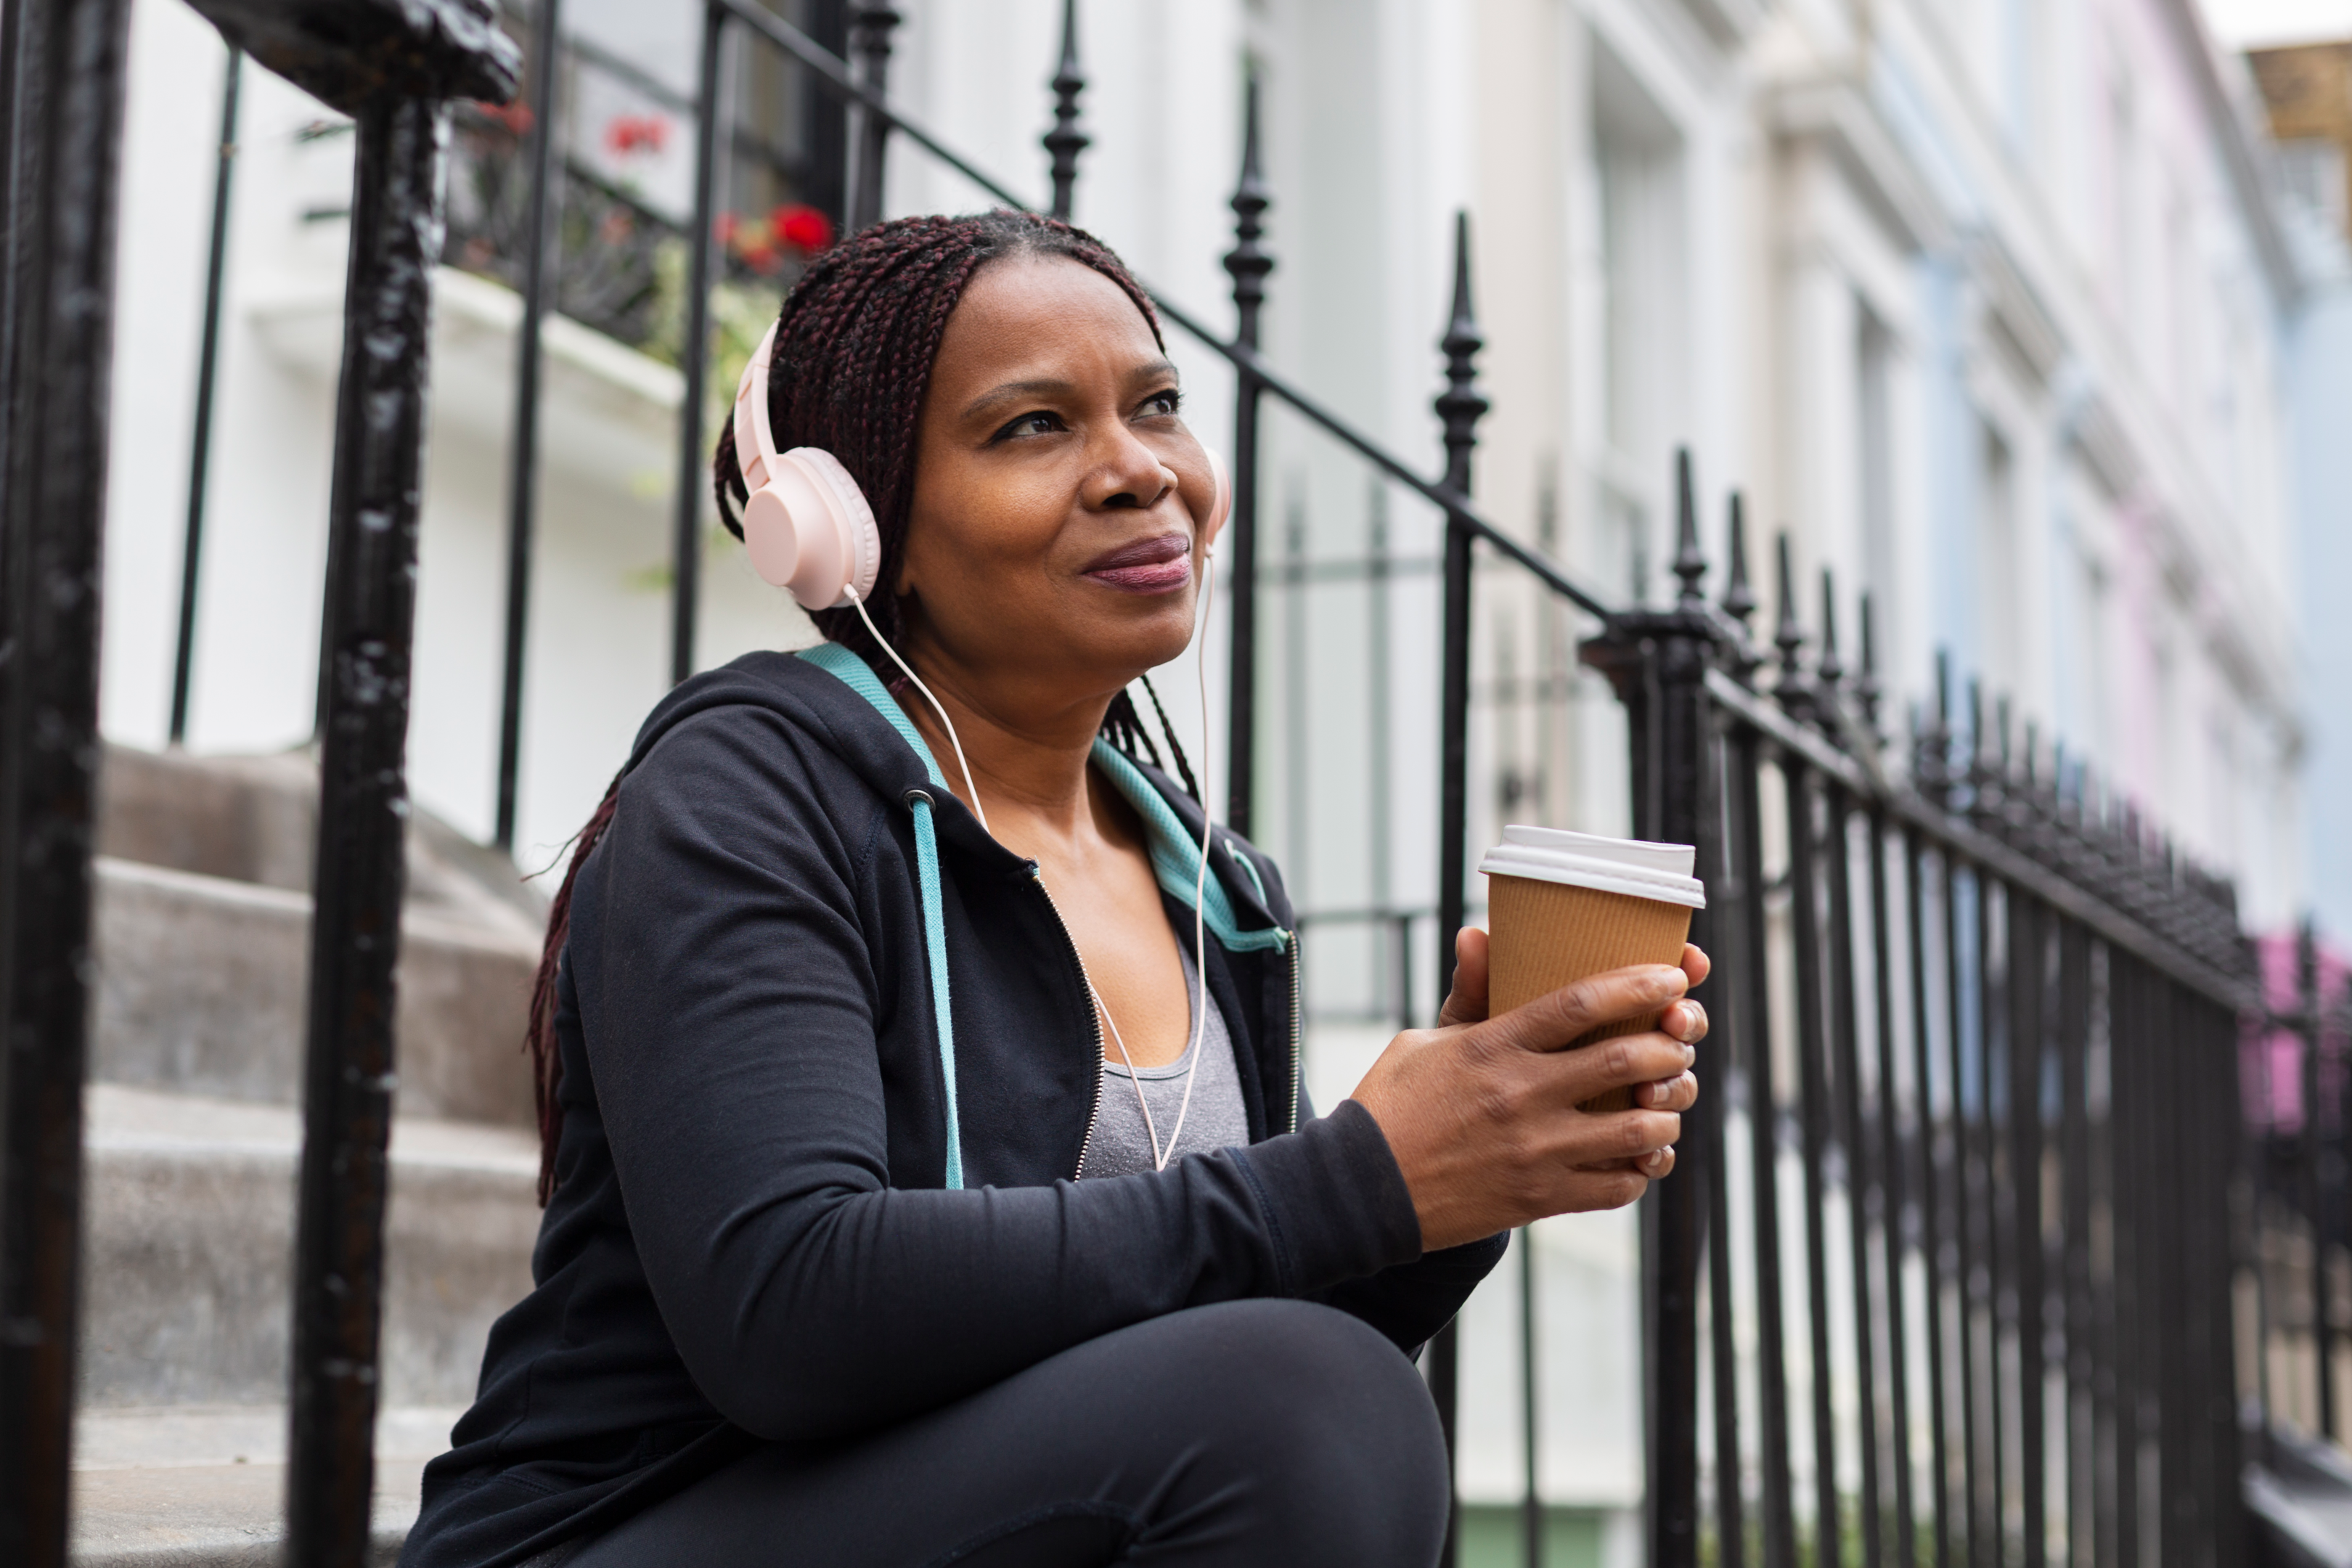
x=751, y=1239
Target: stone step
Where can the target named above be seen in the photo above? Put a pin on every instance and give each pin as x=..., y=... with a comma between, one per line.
x=188, y=1244
x=205, y=1485
x=256, y=819
x=202, y=980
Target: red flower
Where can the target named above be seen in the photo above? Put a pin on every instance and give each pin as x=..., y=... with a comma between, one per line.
x=516, y=116
x=803, y=228
x=627, y=134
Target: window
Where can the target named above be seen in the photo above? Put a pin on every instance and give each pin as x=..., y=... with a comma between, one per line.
x=1638, y=174
x=2313, y=174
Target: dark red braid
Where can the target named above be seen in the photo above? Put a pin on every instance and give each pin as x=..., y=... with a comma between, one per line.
x=855, y=347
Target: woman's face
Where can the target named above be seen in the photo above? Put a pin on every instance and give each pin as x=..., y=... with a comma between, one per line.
x=1055, y=535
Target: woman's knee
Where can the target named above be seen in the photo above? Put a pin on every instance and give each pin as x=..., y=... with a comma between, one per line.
x=1304, y=1388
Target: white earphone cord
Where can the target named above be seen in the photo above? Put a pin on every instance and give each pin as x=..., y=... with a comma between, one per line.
x=971, y=788
x=1200, y=885
x=1159, y=1156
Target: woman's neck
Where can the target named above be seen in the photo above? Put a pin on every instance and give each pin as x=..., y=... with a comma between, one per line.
x=1026, y=743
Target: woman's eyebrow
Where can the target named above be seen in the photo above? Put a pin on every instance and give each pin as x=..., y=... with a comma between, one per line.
x=1013, y=390
x=1053, y=386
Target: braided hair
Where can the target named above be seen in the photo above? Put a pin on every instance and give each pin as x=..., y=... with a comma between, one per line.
x=855, y=347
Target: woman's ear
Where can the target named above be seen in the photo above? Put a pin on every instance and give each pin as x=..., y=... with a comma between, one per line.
x=1221, y=501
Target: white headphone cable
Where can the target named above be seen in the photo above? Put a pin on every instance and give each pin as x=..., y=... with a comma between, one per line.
x=1201, y=882
x=970, y=788
x=1159, y=1156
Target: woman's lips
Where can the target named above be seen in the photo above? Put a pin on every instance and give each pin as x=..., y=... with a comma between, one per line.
x=1148, y=566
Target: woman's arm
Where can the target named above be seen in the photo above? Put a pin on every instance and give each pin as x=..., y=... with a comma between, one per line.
x=730, y=1006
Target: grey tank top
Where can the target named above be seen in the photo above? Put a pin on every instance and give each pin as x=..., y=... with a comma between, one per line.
x=1119, y=1145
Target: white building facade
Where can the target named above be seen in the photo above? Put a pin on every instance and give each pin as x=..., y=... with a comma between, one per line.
x=1983, y=301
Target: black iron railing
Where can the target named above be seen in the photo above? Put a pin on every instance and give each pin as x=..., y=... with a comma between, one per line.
x=2298, y=1084
x=1976, y=1044
x=1986, y=1026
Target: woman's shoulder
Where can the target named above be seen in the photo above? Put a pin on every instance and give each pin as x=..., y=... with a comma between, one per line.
x=773, y=719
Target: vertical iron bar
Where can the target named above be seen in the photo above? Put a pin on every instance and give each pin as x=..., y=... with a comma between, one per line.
x=1893, y=1217
x=1778, y=1492
x=2029, y=1004
x=1964, y=1210
x=870, y=25
x=1932, y=1187
x=1713, y=1115
x=200, y=437
x=1531, y=1511
x=1459, y=408
x=1065, y=142
x=523, y=448
x=2315, y=1186
x=2127, y=1077
x=1984, y=1225
x=64, y=60
x=2071, y=1248
x=396, y=237
x=1249, y=262
x=693, y=353
x=1865, y=1198
x=1805, y=920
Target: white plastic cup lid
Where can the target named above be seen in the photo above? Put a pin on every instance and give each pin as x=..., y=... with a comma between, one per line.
x=1630, y=865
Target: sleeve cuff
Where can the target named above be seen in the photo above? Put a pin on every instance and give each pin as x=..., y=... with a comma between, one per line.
x=1335, y=1202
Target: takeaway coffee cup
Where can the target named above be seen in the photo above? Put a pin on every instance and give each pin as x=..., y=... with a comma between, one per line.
x=1561, y=906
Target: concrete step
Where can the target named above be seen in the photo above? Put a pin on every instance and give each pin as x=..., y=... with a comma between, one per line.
x=256, y=819
x=188, y=1244
x=205, y=1487
x=202, y=980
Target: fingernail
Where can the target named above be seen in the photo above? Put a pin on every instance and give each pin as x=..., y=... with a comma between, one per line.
x=1690, y=1055
x=1652, y=1160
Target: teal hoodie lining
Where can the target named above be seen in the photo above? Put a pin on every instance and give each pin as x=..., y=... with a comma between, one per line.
x=1175, y=855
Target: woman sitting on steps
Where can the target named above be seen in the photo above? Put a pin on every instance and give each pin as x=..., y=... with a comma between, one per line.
x=928, y=1178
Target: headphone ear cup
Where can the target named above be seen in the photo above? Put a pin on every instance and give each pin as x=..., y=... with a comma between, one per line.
x=772, y=535
x=809, y=530
x=857, y=539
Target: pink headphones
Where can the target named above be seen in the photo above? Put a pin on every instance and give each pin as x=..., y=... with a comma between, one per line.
x=806, y=524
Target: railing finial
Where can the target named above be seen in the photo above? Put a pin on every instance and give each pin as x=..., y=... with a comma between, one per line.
x=1829, y=672
x=1461, y=405
x=1248, y=261
x=1789, y=636
x=1690, y=565
x=871, y=23
x=1065, y=142
x=1738, y=598
x=1867, y=692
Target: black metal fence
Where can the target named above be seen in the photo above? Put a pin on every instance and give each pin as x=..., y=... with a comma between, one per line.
x=1947, y=1275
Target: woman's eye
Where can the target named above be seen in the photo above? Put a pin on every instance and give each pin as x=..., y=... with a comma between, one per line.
x=1038, y=422
x=1163, y=403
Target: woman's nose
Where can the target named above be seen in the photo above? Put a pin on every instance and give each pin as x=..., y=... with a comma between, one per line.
x=1129, y=475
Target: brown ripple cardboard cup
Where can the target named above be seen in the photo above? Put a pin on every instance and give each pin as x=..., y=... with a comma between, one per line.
x=1561, y=906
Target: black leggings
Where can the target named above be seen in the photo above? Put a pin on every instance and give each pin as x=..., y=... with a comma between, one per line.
x=1252, y=1433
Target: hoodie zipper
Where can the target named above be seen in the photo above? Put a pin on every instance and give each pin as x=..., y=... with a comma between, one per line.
x=1094, y=1016
x=1295, y=1031
x=1290, y=945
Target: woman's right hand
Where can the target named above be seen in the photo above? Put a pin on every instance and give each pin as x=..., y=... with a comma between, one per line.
x=1481, y=1113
